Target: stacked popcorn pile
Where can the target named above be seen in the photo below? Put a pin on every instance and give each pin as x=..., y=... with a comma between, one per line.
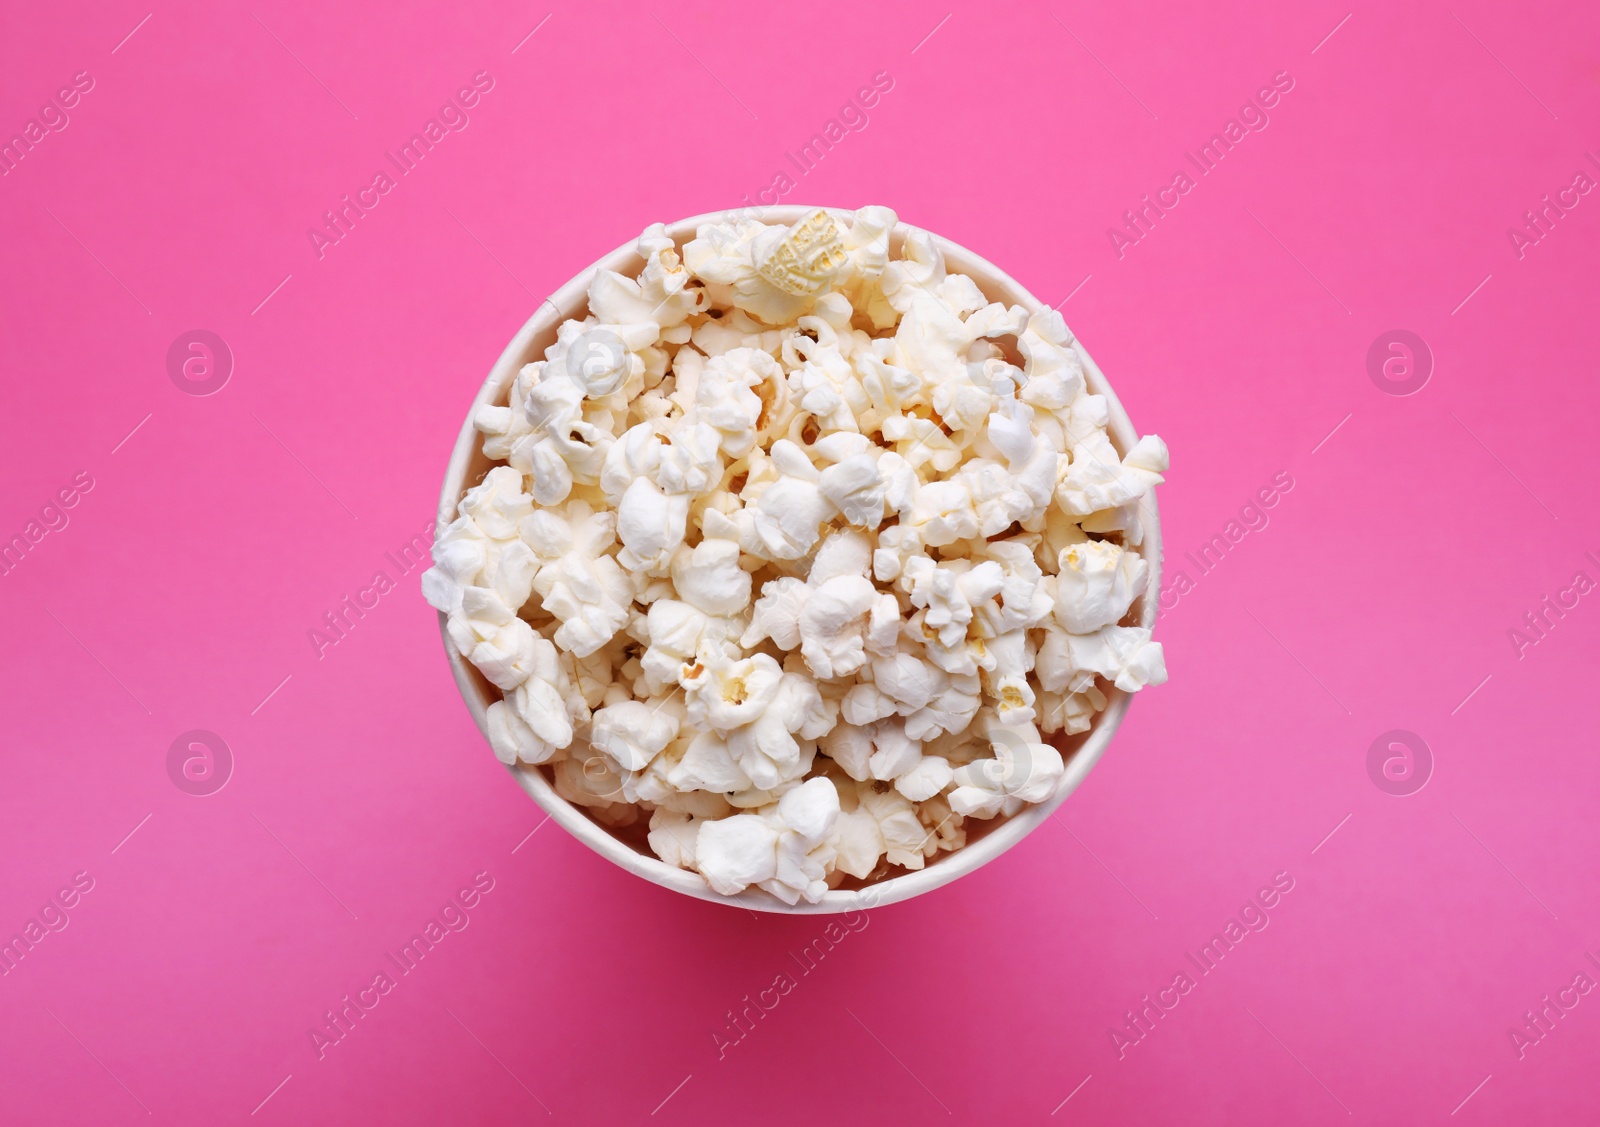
x=795, y=551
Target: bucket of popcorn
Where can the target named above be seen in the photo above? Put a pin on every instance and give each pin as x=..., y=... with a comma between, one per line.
x=799, y=559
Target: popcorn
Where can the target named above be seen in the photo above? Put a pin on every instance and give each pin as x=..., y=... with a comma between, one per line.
x=735, y=694
x=709, y=578
x=777, y=613
x=808, y=814
x=482, y=548
x=734, y=853
x=584, y=586
x=673, y=837
x=725, y=397
x=679, y=638
x=902, y=831
x=539, y=722
x=723, y=256
x=599, y=362
x=661, y=293
x=786, y=520
x=708, y=765
x=1023, y=769
x=561, y=447
x=948, y=592
x=1055, y=374
x=1096, y=480
x=858, y=844
x=926, y=778
x=1096, y=585
x=650, y=524
x=1123, y=655
x=833, y=625
x=783, y=848
x=797, y=554
x=802, y=259
x=767, y=749
x=856, y=487
x=631, y=733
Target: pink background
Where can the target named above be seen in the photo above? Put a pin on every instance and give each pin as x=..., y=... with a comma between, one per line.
x=1379, y=596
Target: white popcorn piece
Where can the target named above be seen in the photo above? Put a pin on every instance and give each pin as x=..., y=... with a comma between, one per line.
x=786, y=520
x=660, y=294
x=946, y=829
x=1025, y=599
x=902, y=831
x=1122, y=520
x=943, y=512
x=948, y=592
x=1097, y=480
x=584, y=586
x=734, y=853
x=500, y=426
x=808, y=814
x=726, y=399
x=590, y=782
x=896, y=545
x=921, y=442
x=504, y=647
x=497, y=504
x=600, y=363
x=1013, y=658
x=677, y=456
x=889, y=388
x=833, y=625
x=708, y=764
x=1023, y=769
x=855, y=486
x=777, y=613
x=825, y=381
x=708, y=577
x=1069, y=713
x=920, y=269
x=723, y=256
x=697, y=803
x=1096, y=584
x=481, y=548
x=561, y=447
x=893, y=751
x=683, y=641
x=866, y=247
x=1123, y=655
x=540, y=702
x=673, y=836
x=858, y=843
x=932, y=700
x=847, y=552
x=782, y=492
x=927, y=778
x=459, y=555
x=512, y=739
x=850, y=746
x=1033, y=466
x=650, y=524
x=734, y=694
x=632, y=733
x=783, y=848
x=754, y=709
x=1054, y=371
x=769, y=748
